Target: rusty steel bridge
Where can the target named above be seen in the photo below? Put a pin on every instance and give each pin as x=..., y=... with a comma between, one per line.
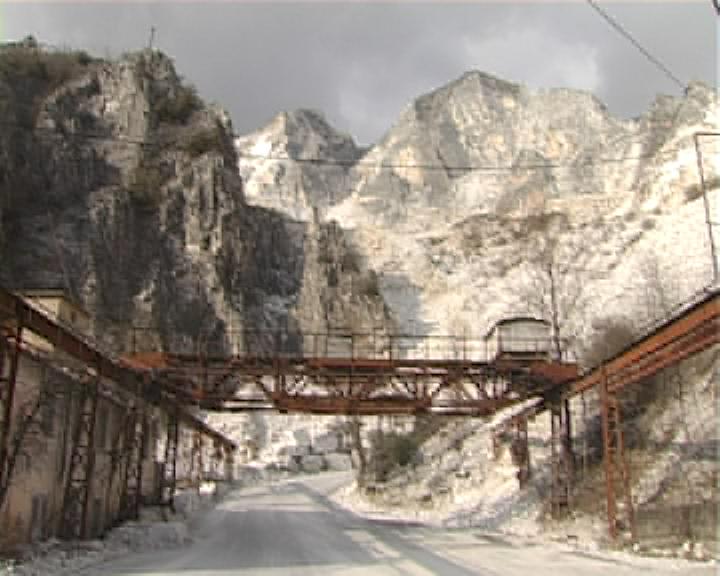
x=358, y=374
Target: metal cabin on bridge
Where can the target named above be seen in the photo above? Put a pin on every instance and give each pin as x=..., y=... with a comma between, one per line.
x=519, y=338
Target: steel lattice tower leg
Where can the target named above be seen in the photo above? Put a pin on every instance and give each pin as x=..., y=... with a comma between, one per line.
x=134, y=448
x=5, y=410
x=78, y=484
x=170, y=465
x=229, y=462
x=116, y=454
x=561, y=460
x=522, y=451
x=615, y=461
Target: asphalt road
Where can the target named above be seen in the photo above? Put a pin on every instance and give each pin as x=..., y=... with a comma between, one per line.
x=292, y=528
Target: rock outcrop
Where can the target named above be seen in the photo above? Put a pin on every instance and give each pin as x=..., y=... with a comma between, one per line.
x=119, y=185
x=297, y=187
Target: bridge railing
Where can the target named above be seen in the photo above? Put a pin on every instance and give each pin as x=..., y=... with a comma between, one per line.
x=373, y=345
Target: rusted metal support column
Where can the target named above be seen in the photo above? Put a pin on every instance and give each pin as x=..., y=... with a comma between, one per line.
x=585, y=436
x=134, y=455
x=201, y=458
x=116, y=453
x=78, y=483
x=229, y=460
x=561, y=460
x=568, y=451
x=196, y=459
x=616, y=458
x=169, y=479
x=609, y=455
x=625, y=472
x=521, y=451
x=216, y=460
x=7, y=396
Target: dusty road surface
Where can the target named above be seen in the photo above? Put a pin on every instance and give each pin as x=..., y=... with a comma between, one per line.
x=291, y=528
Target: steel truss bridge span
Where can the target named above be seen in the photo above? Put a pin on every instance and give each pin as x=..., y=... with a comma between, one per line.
x=355, y=386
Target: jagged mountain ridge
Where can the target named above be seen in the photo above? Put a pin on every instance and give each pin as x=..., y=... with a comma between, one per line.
x=480, y=121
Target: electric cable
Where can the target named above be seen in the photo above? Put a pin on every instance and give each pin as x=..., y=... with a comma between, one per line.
x=615, y=24
x=46, y=132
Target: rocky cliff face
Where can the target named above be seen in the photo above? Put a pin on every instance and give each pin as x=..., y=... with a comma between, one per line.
x=299, y=187
x=120, y=185
x=480, y=180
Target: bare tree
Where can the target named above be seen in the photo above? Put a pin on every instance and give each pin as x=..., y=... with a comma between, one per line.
x=354, y=425
x=554, y=290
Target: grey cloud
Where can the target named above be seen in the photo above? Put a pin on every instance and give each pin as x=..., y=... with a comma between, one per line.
x=360, y=64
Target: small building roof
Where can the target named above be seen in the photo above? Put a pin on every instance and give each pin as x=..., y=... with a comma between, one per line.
x=513, y=320
x=52, y=292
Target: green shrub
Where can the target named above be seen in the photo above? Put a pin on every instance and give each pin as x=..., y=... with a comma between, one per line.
x=32, y=73
x=390, y=451
x=178, y=107
x=367, y=285
x=609, y=337
x=350, y=261
x=695, y=191
x=146, y=187
x=203, y=141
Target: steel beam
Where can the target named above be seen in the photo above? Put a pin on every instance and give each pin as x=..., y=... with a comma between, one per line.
x=677, y=339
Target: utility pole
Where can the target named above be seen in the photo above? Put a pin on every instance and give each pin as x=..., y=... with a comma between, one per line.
x=708, y=219
x=152, y=38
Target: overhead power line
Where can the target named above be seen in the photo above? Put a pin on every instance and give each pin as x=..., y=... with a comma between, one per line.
x=454, y=168
x=45, y=131
x=615, y=24
x=51, y=133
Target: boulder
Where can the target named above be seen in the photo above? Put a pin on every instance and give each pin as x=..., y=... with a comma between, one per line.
x=338, y=461
x=451, y=461
x=298, y=450
x=300, y=437
x=312, y=463
x=326, y=443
